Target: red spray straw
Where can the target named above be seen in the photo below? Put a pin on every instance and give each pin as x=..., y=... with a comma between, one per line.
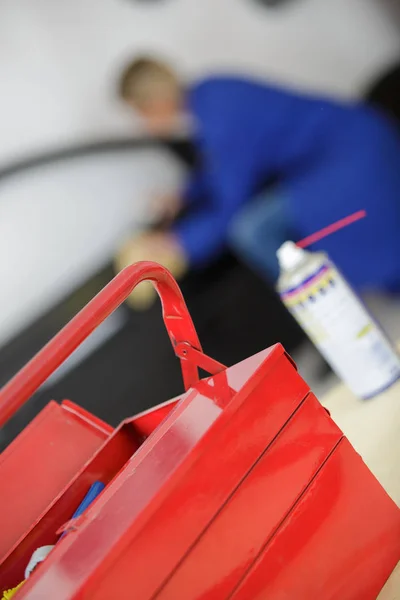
x=319, y=235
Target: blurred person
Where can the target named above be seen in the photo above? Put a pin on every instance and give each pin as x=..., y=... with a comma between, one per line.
x=327, y=159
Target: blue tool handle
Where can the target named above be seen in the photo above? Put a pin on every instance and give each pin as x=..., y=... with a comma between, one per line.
x=95, y=489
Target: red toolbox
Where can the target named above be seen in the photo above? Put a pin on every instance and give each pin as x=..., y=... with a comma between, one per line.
x=241, y=488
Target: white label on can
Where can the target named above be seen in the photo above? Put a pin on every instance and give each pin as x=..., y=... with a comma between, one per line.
x=339, y=325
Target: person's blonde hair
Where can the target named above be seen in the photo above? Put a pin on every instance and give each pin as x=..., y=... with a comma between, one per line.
x=145, y=81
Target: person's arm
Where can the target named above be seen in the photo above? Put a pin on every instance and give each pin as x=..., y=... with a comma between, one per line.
x=232, y=115
x=202, y=234
x=196, y=189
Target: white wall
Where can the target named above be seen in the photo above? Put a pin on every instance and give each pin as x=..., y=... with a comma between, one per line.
x=61, y=223
x=58, y=60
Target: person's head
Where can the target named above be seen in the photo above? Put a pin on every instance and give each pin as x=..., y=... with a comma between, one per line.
x=154, y=91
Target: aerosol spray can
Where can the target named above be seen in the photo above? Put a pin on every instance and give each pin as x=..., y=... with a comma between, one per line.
x=336, y=321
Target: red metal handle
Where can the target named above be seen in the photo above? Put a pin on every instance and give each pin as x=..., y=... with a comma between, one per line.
x=176, y=318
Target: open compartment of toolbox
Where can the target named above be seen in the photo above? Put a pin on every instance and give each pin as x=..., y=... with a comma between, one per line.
x=49, y=468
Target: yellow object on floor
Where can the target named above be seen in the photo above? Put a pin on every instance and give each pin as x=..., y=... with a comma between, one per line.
x=7, y=594
x=155, y=247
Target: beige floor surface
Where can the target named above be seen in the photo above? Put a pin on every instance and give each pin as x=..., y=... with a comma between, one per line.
x=373, y=427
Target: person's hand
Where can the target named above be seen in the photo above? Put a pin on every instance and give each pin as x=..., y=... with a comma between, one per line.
x=158, y=247
x=164, y=208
